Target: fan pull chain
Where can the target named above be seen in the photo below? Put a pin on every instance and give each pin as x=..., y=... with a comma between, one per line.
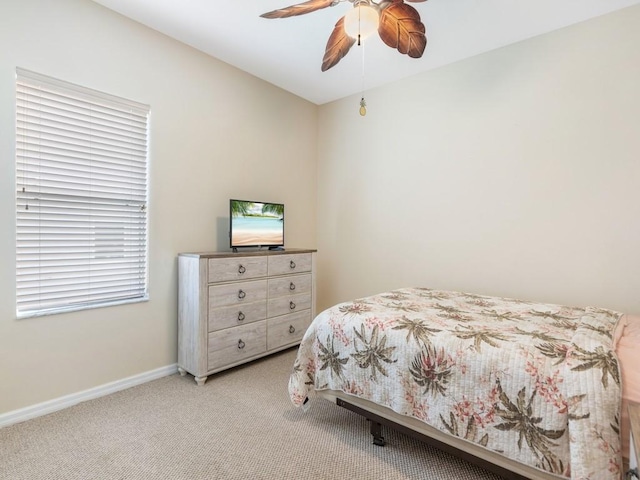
x=359, y=18
x=363, y=104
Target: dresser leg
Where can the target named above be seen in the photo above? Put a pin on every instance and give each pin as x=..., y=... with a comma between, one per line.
x=200, y=380
x=182, y=371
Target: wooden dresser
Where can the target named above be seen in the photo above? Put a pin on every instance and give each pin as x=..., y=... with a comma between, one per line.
x=236, y=307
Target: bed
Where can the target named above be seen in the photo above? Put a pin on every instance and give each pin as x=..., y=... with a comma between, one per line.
x=527, y=389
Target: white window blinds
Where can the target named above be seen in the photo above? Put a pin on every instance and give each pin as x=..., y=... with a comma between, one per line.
x=81, y=170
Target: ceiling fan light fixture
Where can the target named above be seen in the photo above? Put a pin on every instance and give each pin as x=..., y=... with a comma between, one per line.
x=361, y=20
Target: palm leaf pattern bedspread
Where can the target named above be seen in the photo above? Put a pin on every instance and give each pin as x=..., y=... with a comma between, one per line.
x=538, y=383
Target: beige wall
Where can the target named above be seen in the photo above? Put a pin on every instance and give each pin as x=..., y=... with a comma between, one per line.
x=513, y=173
x=216, y=133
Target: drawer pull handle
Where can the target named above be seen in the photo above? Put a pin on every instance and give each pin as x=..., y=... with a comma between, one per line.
x=292, y=329
x=241, y=269
x=292, y=286
x=292, y=306
x=241, y=294
x=240, y=344
x=241, y=316
x=292, y=264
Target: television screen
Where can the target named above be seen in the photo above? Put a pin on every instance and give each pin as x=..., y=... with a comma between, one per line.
x=256, y=224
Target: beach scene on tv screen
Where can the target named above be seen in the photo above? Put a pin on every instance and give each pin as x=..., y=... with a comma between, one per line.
x=257, y=224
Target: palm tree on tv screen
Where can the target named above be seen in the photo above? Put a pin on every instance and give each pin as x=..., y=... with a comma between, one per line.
x=240, y=209
x=274, y=208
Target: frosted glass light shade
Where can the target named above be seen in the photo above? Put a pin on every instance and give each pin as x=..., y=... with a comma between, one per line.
x=361, y=19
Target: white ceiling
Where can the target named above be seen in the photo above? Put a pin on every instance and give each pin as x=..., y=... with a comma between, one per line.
x=288, y=52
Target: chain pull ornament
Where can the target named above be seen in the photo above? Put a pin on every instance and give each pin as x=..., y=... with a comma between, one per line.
x=363, y=107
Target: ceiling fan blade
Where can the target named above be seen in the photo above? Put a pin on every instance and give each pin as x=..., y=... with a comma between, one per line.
x=400, y=27
x=338, y=46
x=299, y=9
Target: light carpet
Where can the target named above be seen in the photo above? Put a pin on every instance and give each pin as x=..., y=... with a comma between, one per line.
x=239, y=425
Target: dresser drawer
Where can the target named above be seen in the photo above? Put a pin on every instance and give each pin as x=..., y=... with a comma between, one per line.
x=235, y=315
x=287, y=329
x=236, y=268
x=233, y=345
x=294, y=263
x=289, y=285
x=237, y=293
x=290, y=304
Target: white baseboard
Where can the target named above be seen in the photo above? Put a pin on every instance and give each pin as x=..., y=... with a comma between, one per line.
x=27, y=413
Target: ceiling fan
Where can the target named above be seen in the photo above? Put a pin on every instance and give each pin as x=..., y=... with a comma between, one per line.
x=398, y=25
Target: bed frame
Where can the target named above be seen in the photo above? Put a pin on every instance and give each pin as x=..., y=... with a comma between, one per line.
x=469, y=451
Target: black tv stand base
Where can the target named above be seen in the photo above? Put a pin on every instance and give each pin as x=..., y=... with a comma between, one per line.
x=273, y=249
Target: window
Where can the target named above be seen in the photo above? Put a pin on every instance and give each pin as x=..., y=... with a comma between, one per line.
x=81, y=174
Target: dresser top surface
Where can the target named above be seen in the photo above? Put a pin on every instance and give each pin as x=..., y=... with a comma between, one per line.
x=247, y=253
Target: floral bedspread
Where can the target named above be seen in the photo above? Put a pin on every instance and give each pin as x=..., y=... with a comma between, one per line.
x=538, y=383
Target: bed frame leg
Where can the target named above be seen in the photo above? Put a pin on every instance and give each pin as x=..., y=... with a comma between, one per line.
x=376, y=431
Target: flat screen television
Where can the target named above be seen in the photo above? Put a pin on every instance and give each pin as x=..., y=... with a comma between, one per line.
x=256, y=224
